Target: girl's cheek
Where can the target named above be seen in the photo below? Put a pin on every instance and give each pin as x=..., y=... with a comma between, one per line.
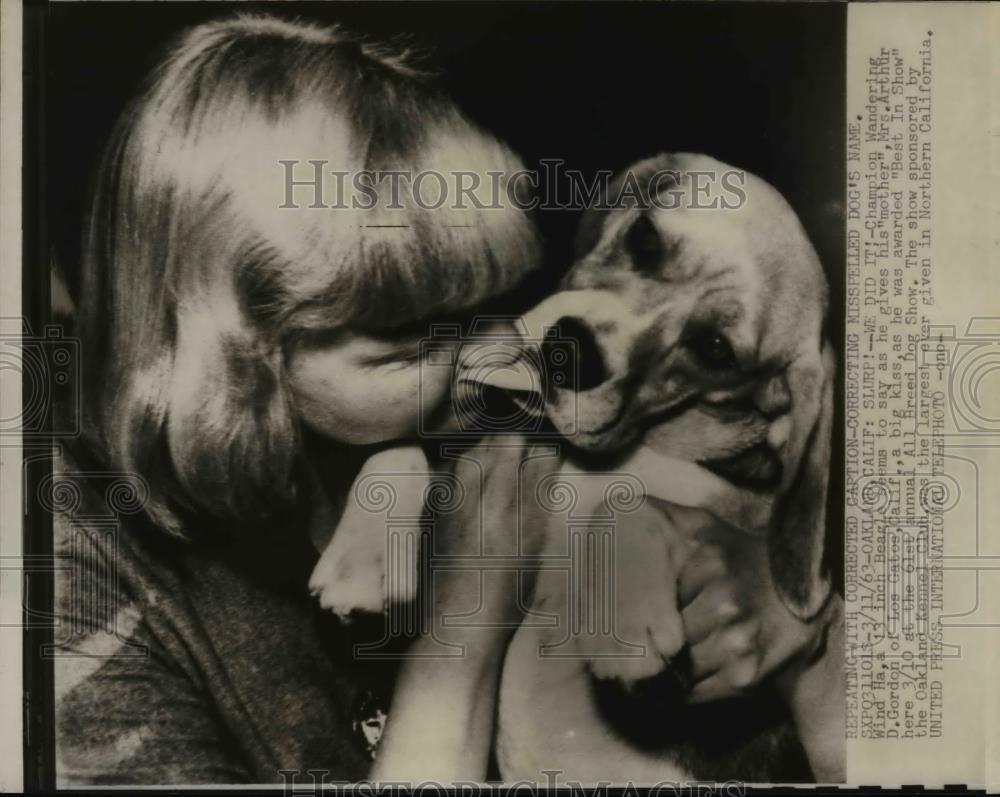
x=333, y=398
x=365, y=405
x=331, y=414
x=401, y=402
x=434, y=388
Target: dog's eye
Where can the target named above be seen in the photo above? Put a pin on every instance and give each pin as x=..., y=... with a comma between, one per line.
x=713, y=351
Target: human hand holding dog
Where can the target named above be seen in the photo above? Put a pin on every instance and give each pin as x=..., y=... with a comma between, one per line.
x=738, y=628
x=740, y=632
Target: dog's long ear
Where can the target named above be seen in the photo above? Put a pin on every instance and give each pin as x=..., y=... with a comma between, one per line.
x=798, y=526
x=628, y=189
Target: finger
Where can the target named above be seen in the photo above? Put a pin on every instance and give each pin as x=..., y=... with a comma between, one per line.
x=730, y=649
x=716, y=687
x=704, y=564
x=706, y=658
x=713, y=610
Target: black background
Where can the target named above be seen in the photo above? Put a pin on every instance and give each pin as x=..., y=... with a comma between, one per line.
x=599, y=85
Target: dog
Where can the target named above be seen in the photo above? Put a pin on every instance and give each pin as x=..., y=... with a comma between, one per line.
x=700, y=367
x=699, y=343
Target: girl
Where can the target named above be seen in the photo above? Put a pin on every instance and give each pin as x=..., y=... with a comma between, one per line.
x=252, y=324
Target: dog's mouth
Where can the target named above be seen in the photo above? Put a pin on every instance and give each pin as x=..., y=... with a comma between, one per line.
x=756, y=468
x=503, y=388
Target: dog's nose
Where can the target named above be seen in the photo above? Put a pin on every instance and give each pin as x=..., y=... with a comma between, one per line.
x=573, y=357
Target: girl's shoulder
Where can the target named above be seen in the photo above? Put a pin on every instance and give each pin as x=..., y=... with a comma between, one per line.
x=226, y=629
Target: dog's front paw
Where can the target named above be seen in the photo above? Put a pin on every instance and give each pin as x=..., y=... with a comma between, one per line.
x=366, y=572
x=372, y=559
x=351, y=577
x=643, y=630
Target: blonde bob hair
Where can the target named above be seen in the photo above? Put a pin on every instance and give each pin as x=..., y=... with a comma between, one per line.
x=196, y=280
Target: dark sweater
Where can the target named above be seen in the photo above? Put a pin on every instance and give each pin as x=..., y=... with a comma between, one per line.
x=183, y=663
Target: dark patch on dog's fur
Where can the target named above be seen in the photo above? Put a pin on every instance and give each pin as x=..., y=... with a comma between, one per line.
x=756, y=468
x=642, y=241
x=749, y=738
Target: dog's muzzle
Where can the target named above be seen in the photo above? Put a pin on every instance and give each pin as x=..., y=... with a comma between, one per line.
x=571, y=358
x=565, y=360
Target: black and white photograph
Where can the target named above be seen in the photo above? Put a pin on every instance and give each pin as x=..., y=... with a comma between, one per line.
x=451, y=393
